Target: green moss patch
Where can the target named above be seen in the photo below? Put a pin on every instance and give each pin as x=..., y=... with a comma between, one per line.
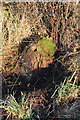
x=46, y=47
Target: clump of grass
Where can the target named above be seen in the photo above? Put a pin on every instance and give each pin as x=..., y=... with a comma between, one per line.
x=67, y=90
x=22, y=110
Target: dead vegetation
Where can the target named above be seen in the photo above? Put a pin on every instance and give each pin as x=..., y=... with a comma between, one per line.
x=26, y=70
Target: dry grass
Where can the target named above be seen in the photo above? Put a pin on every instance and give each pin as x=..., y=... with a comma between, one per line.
x=58, y=21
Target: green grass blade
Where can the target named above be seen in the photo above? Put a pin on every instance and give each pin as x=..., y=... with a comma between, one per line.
x=55, y=92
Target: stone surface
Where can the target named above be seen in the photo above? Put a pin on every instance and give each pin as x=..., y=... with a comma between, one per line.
x=36, y=59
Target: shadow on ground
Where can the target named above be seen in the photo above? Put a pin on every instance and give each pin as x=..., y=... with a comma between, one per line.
x=41, y=85
x=42, y=78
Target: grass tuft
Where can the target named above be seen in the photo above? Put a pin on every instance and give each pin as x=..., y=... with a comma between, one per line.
x=22, y=110
x=67, y=90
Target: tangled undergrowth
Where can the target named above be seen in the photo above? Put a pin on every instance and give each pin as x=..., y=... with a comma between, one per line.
x=40, y=55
